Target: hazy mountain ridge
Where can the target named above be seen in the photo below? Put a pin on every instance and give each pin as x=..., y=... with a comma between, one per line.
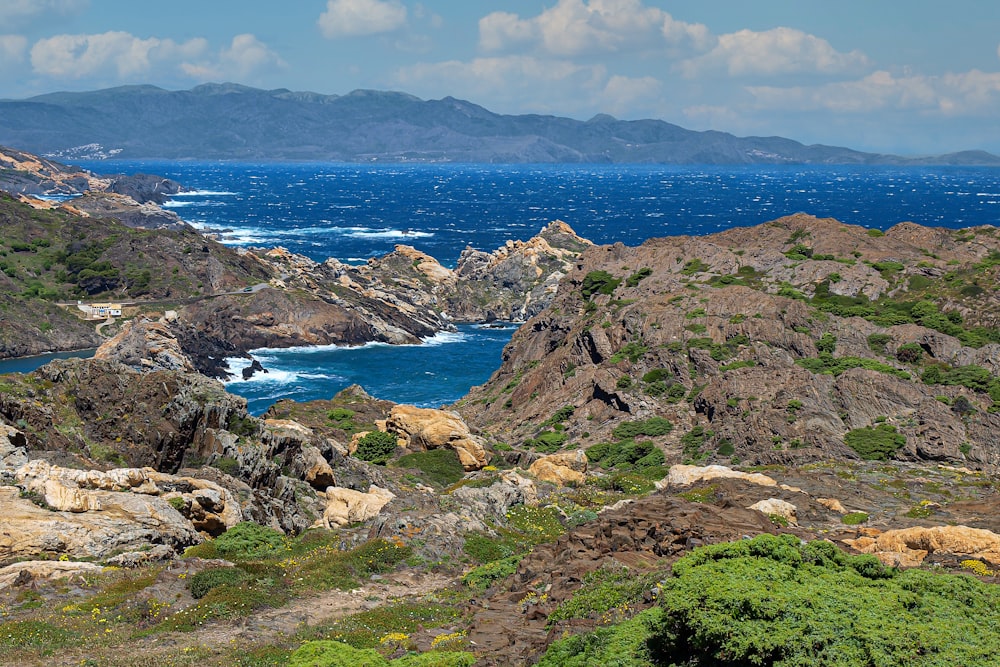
x=233, y=122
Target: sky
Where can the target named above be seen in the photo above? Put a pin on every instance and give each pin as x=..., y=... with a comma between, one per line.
x=910, y=77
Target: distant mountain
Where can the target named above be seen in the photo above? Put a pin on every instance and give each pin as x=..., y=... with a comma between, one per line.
x=232, y=122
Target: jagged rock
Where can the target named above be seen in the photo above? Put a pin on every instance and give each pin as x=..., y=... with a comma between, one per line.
x=776, y=506
x=562, y=468
x=344, y=506
x=907, y=547
x=426, y=428
x=133, y=559
x=254, y=367
x=127, y=521
x=12, y=452
x=30, y=571
x=146, y=345
x=495, y=500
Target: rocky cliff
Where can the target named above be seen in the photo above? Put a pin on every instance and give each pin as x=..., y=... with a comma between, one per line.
x=783, y=343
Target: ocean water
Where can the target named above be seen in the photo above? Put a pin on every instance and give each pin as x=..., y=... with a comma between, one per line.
x=354, y=212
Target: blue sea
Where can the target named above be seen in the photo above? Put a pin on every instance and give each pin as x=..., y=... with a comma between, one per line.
x=353, y=212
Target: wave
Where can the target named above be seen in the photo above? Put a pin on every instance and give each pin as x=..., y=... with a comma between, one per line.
x=205, y=193
x=274, y=373
x=444, y=338
x=368, y=233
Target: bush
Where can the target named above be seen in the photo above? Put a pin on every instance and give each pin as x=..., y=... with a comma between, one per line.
x=634, y=279
x=875, y=444
x=204, y=581
x=548, y=441
x=651, y=427
x=249, y=541
x=620, y=645
x=335, y=654
x=909, y=353
x=440, y=467
x=376, y=447
x=484, y=576
x=827, y=343
x=773, y=601
x=598, y=282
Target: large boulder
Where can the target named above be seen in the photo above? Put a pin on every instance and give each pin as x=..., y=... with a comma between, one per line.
x=146, y=345
x=344, y=506
x=426, y=428
x=562, y=468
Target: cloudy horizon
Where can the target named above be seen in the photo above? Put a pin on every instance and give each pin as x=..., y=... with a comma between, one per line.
x=907, y=78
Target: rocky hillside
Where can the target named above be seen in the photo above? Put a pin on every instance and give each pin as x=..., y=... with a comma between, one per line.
x=799, y=340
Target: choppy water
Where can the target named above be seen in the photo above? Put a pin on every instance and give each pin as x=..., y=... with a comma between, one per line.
x=354, y=212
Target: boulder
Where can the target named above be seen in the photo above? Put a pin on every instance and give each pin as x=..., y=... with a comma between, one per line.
x=344, y=506
x=776, y=506
x=495, y=501
x=907, y=547
x=562, y=468
x=426, y=428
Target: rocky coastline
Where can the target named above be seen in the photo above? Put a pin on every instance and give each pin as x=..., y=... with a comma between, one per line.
x=803, y=378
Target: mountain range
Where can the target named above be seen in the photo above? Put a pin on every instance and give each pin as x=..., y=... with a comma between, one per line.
x=233, y=122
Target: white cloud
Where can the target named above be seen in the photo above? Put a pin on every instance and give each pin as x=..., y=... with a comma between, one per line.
x=241, y=59
x=351, y=18
x=12, y=49
x=78, y=56
x=13, y=11
x=775, y=51
x=537, y=85
x=965, y=93
x=121, y=56
x=579, y=27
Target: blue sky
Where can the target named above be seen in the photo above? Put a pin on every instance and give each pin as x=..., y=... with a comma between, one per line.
x=909, y=77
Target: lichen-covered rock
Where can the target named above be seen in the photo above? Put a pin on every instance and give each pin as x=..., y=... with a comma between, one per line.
x=30, y=571
x=685, y=475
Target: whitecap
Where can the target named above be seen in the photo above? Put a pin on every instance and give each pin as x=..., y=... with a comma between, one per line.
x=205, y=193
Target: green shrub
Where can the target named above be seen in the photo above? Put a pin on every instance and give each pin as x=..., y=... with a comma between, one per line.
x=486, y=548
x=436, y=659
x=603, y=590
x=694, y=266
x=598, y=282
x=335, y=654
x=204, y=581
x=484, y=576
x=651, y=427
x=827, y=343
x=692, y=442
x=773, y=601
x=376, y=447
x=875, y=444
x=440, y=467
x=636, y=277
x=854, y=518
x=249, y=541
x=548, y=441
x=621, y=645
x=829, y=365
x=878, y=341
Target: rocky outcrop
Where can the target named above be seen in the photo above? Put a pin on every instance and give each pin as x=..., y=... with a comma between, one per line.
x=29, y=571
x=126, y=210
x=908, y=547
x=753, y=341
x=421, y=429
x=146, y=345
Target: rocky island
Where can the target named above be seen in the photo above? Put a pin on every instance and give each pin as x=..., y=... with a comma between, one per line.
x=806, y=404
